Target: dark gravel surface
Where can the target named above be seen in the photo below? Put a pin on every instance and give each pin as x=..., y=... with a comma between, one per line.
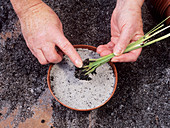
x=142, y=96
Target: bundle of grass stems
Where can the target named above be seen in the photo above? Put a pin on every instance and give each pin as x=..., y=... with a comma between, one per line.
x=144, y=41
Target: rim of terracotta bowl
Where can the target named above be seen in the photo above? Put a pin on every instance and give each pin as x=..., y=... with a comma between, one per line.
x=110, y=63
x=167, y=13
x=161, y=5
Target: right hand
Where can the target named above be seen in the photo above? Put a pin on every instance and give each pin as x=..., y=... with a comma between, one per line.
x=42, y=31
x=126, y=27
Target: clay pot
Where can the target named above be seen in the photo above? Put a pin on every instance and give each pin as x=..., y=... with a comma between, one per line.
x=107, y=99
x=162, y=8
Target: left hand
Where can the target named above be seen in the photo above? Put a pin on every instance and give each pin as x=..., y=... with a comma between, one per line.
x=126, y=27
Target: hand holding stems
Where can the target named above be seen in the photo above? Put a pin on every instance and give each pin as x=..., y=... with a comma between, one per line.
x=42, y=31
x=126, y=27
x=145, y=40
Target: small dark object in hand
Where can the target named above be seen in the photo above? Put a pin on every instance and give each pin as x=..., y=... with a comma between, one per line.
x=80, y=73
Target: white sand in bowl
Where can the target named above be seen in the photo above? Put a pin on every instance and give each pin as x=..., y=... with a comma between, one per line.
x=82, y=94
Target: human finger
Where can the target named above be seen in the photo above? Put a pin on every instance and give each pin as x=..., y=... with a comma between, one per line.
x=68, y=49
x=40, y=56
x=123, y=41
x=109, y=46
x=127, y=57
x=105, y=52
x=51, y=54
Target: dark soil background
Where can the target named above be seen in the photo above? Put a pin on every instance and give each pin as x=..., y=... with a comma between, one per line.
x=142, y=96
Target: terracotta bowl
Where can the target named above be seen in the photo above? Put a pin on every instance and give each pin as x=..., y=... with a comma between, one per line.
x=112, y=67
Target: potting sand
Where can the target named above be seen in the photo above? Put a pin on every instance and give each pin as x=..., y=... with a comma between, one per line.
x=82, y=94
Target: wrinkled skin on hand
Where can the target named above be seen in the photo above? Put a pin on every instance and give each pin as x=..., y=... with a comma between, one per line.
x=126, y=27
x=43, y=31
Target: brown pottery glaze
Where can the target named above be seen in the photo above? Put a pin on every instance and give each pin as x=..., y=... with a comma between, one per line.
x=162, y=7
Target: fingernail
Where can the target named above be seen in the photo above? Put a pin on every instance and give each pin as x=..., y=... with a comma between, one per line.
x=114, y=60
x=118, y=52
x=78, y=63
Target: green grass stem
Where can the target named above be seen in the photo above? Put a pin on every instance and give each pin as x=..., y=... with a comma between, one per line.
x=142, y=42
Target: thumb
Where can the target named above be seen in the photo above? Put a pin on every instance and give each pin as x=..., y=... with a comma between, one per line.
x=68, y=49
x=123, y=41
